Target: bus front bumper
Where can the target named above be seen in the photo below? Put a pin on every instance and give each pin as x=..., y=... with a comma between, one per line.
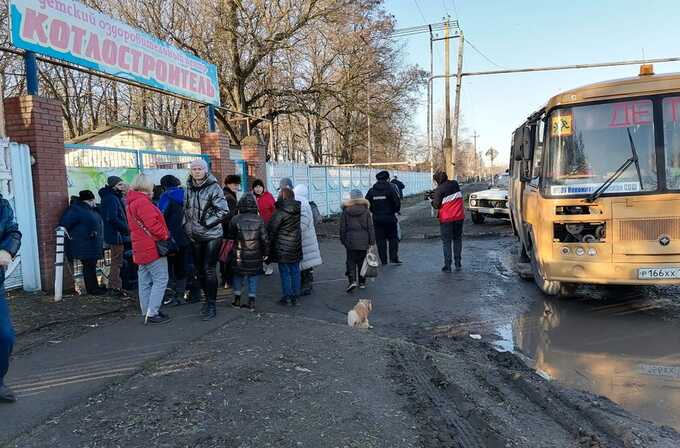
x=614, y=273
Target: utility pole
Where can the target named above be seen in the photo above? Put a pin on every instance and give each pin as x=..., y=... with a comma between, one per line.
x=456, y=111
x=474, y=136
x=448, y=146
x=368, y=122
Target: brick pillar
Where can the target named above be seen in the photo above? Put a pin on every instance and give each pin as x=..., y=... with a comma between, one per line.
x=255, y=153
x=37, y=122
x=216, y=145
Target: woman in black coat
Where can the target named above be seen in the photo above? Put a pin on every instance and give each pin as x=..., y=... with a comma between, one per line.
x=251, y=248
x=286, y=239
x=86, y=237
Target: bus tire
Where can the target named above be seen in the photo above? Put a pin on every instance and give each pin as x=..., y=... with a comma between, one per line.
x=477, y=218
x=551, y=288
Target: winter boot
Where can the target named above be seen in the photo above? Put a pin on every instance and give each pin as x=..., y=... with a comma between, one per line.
x=211, y=312
x=204, y=308
x=251, y=304
x=237, y=301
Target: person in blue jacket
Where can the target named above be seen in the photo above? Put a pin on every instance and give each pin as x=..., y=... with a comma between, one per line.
x=171, y=203
x=116, y=230
x=10, y=241
x=85, y=240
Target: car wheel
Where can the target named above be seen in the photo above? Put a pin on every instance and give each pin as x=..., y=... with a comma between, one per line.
x=477, y=218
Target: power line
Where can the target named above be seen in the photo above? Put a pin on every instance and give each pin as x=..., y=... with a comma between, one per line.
x=445, y=7
x=420, y=10
x=455, y=9
x=467, y=41
x=424, y=29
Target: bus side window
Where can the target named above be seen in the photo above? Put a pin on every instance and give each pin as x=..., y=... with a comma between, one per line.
x=537, y=163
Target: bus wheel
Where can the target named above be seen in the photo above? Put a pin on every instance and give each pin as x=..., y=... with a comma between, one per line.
x=549, y=287
x=477, y=218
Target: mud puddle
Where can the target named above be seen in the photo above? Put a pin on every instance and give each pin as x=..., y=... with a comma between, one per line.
x=620, y=343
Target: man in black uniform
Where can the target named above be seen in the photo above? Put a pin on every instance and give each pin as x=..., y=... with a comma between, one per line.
x=385, y=204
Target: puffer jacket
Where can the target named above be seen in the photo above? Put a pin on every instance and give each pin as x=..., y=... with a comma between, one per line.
x=251, y=240
x=112, y=208
x=205, y=209
x=448, y=199
x=385, y=202
x=356, y=225
x=284, y=233
x=10, y=237
x=171, y=204
x=147, y=225
x=85, y=229
x=311, y=255
x=232, y=206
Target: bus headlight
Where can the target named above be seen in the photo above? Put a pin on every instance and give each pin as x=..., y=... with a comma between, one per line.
x=565, y=251
x=473, y=202
x=592, y=252
x=580, y=251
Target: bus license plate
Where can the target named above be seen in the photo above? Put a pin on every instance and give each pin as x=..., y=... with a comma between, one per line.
x=658, y=273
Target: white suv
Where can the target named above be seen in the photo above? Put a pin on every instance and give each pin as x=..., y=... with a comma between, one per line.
x=492, y=202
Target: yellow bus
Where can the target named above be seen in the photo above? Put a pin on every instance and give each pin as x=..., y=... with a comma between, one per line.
x=595, y=185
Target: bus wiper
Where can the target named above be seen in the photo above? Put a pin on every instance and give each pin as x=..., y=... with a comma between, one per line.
x=633, y=159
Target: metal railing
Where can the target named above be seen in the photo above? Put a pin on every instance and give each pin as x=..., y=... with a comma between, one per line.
x=90, y=156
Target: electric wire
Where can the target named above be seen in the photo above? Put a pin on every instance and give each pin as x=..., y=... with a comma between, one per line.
x=482, y=54
x=420, y=10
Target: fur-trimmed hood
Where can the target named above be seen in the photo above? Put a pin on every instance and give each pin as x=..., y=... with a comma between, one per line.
x=358, y=201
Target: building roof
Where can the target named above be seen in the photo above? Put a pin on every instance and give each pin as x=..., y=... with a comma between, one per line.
x=122, y=126
x=642, y=85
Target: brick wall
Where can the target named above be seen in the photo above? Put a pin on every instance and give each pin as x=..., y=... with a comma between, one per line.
x=255, y=154
x=216, y=145
x=37, y=122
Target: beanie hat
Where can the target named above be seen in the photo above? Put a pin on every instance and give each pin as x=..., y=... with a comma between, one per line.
x=356, y=194
x=232, y=179
x=170, y=181
x=285, y=182
x=112, y=181
x=382, y=175
x=86, y=195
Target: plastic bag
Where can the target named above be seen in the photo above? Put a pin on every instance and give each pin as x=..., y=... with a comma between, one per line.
x=371, y=263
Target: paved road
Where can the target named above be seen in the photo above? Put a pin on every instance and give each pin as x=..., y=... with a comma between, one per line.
x=623, y=345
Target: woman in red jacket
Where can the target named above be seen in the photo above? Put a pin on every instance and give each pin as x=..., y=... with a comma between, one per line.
x=266, y=205
x=147, y=226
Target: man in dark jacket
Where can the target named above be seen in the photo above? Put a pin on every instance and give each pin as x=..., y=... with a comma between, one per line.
x=232, y=185
x=400, y=186
x=285, y=235
x=85, y=237
x=10, y=241
x=116, y=230
x=448, y=199
x=251, y=248
x=385, y=204
x=171, y=204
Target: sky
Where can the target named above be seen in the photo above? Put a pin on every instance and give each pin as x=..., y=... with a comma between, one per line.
x=518, y=34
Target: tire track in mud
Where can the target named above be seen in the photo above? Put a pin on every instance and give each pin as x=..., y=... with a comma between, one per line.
x=446, y=417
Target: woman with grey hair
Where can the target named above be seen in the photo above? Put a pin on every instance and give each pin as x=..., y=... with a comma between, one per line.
x=205, y=208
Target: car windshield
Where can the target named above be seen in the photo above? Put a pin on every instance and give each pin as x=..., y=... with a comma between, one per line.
x=502, y=182
x=587, y=144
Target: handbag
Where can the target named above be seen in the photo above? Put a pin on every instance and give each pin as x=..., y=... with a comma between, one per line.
x=225, y=250
x=371, y=263
x=165, y=248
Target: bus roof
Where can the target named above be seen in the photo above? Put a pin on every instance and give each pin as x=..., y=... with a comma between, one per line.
x=618, y=88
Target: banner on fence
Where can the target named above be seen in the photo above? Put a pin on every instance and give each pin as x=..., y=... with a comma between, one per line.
x=73, y=32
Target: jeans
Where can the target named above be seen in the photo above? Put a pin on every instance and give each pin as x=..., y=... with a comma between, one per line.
x=115, y=281
x=384, y=233
x=90, y=275
x=206, y=254
x=7, y=336
x=355, y=260
x=153, y=279
x=290, y=279
x=249, y=280
x=452, y=232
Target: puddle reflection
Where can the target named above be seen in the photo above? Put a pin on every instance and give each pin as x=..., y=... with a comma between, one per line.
x=620, y=348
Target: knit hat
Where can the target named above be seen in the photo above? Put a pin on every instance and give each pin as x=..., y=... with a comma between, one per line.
x=356, y=194
x=382, y=175
x=112, y=181
x=232, y=179
x=86, y=195
x=285, y=182
x=170, y=181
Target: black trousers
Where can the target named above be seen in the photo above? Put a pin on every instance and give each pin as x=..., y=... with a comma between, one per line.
x=206, y=254
x=387, y=233
x=452, y=232
x=307, y=280
x=355, y=260
x=90, y=275
x=178, y=270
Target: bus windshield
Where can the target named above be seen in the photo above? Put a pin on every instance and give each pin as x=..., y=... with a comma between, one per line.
x=587, y=144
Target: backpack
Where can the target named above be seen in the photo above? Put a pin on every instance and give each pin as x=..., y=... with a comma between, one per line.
x=316, y=214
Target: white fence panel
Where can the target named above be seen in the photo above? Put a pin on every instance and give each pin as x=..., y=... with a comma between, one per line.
x=329, y=185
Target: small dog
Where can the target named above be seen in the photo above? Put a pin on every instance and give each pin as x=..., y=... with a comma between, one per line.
x=357, y=317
